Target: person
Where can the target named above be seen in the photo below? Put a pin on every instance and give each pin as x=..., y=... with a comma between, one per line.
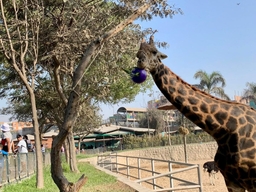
x=42, y=148
x=28, y=142
x=6, y=138
x=22, y=152
x=4, y=153
x=43, y=152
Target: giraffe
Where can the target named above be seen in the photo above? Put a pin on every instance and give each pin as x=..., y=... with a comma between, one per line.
x=231, y=124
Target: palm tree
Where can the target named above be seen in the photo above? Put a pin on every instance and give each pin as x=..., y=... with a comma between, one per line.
x=250, y=92
x=210, y=82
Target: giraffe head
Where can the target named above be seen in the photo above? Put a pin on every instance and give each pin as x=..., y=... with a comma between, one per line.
x=148, y=56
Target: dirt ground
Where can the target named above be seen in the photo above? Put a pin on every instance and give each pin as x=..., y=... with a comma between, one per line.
x=190, y=175
x=113, y=187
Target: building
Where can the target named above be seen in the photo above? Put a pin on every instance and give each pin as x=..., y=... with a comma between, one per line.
x=48, y=137
x=129, y=117
x=245, y=101
x=18, y=126
x=107, y=135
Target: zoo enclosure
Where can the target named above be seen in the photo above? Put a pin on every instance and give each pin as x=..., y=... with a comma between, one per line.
x=124, y=164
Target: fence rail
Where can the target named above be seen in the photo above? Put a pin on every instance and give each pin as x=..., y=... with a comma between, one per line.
x=14, y=168
x=124, y=164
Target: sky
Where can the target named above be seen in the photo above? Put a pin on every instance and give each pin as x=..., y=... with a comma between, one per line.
x=211, y=35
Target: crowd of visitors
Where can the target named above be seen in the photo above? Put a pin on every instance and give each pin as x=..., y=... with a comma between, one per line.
x=18, y=148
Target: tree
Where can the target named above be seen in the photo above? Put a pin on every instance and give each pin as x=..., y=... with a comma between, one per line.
x=15, y=55
x=209, y=83
x=73, y=101
x=67, y=64
x=107, y=86
x=250, y=92
x=152, y=119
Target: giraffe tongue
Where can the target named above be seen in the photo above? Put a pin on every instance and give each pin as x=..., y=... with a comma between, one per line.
x=138, y=75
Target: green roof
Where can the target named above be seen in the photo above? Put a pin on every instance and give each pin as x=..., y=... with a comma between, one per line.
x=110, y=134
x=116, y=133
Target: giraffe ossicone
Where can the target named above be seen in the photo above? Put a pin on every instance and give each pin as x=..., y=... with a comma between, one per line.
x=231, y=124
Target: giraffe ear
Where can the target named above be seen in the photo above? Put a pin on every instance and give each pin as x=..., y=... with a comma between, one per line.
x=151, y=40
x=162, y=56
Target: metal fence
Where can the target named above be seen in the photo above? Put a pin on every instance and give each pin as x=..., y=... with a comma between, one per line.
x=125, y=164
x=133, y=142
x=17, y=167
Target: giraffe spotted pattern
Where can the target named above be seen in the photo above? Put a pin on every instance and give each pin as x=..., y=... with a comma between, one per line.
x=232, y=125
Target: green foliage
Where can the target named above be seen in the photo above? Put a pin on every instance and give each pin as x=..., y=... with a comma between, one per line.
x=84, y=156
x=133, y=142
x=153, y=119
x=64, y=35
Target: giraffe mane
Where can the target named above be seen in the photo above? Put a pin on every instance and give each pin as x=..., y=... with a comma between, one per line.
x=206, y=94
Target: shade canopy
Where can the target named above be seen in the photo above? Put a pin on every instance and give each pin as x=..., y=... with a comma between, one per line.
x=167, y=106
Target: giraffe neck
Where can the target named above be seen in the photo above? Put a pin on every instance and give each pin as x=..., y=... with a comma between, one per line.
x=209, y=113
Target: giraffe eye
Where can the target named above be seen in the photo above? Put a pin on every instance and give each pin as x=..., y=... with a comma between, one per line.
x=154, y=52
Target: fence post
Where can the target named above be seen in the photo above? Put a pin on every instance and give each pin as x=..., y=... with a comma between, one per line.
x=18, y=160
x=171, y=180
x=128, y=168
x=7, y=169
x=27, y=164
x=139, y=171
x=34, y=161
x=111, y=164
x=116, y=164
x=199, y=178
x=153, y=172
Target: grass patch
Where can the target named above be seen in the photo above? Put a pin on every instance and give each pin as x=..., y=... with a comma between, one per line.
x=84, y=156
x=98, y=181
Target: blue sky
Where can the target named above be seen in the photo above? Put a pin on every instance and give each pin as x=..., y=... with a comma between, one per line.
x=212, y=36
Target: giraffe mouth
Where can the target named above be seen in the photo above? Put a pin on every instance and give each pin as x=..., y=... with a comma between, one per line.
x=141, y=64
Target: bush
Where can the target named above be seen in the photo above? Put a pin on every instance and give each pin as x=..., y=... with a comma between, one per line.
x=133, y=142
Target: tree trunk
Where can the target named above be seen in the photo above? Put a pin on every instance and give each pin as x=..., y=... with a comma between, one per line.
x=72, y=153
x=185, y=148
x=66, y=151
x=79, y=146
x=57, y=173
x=169, y=137
x=39, y=156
